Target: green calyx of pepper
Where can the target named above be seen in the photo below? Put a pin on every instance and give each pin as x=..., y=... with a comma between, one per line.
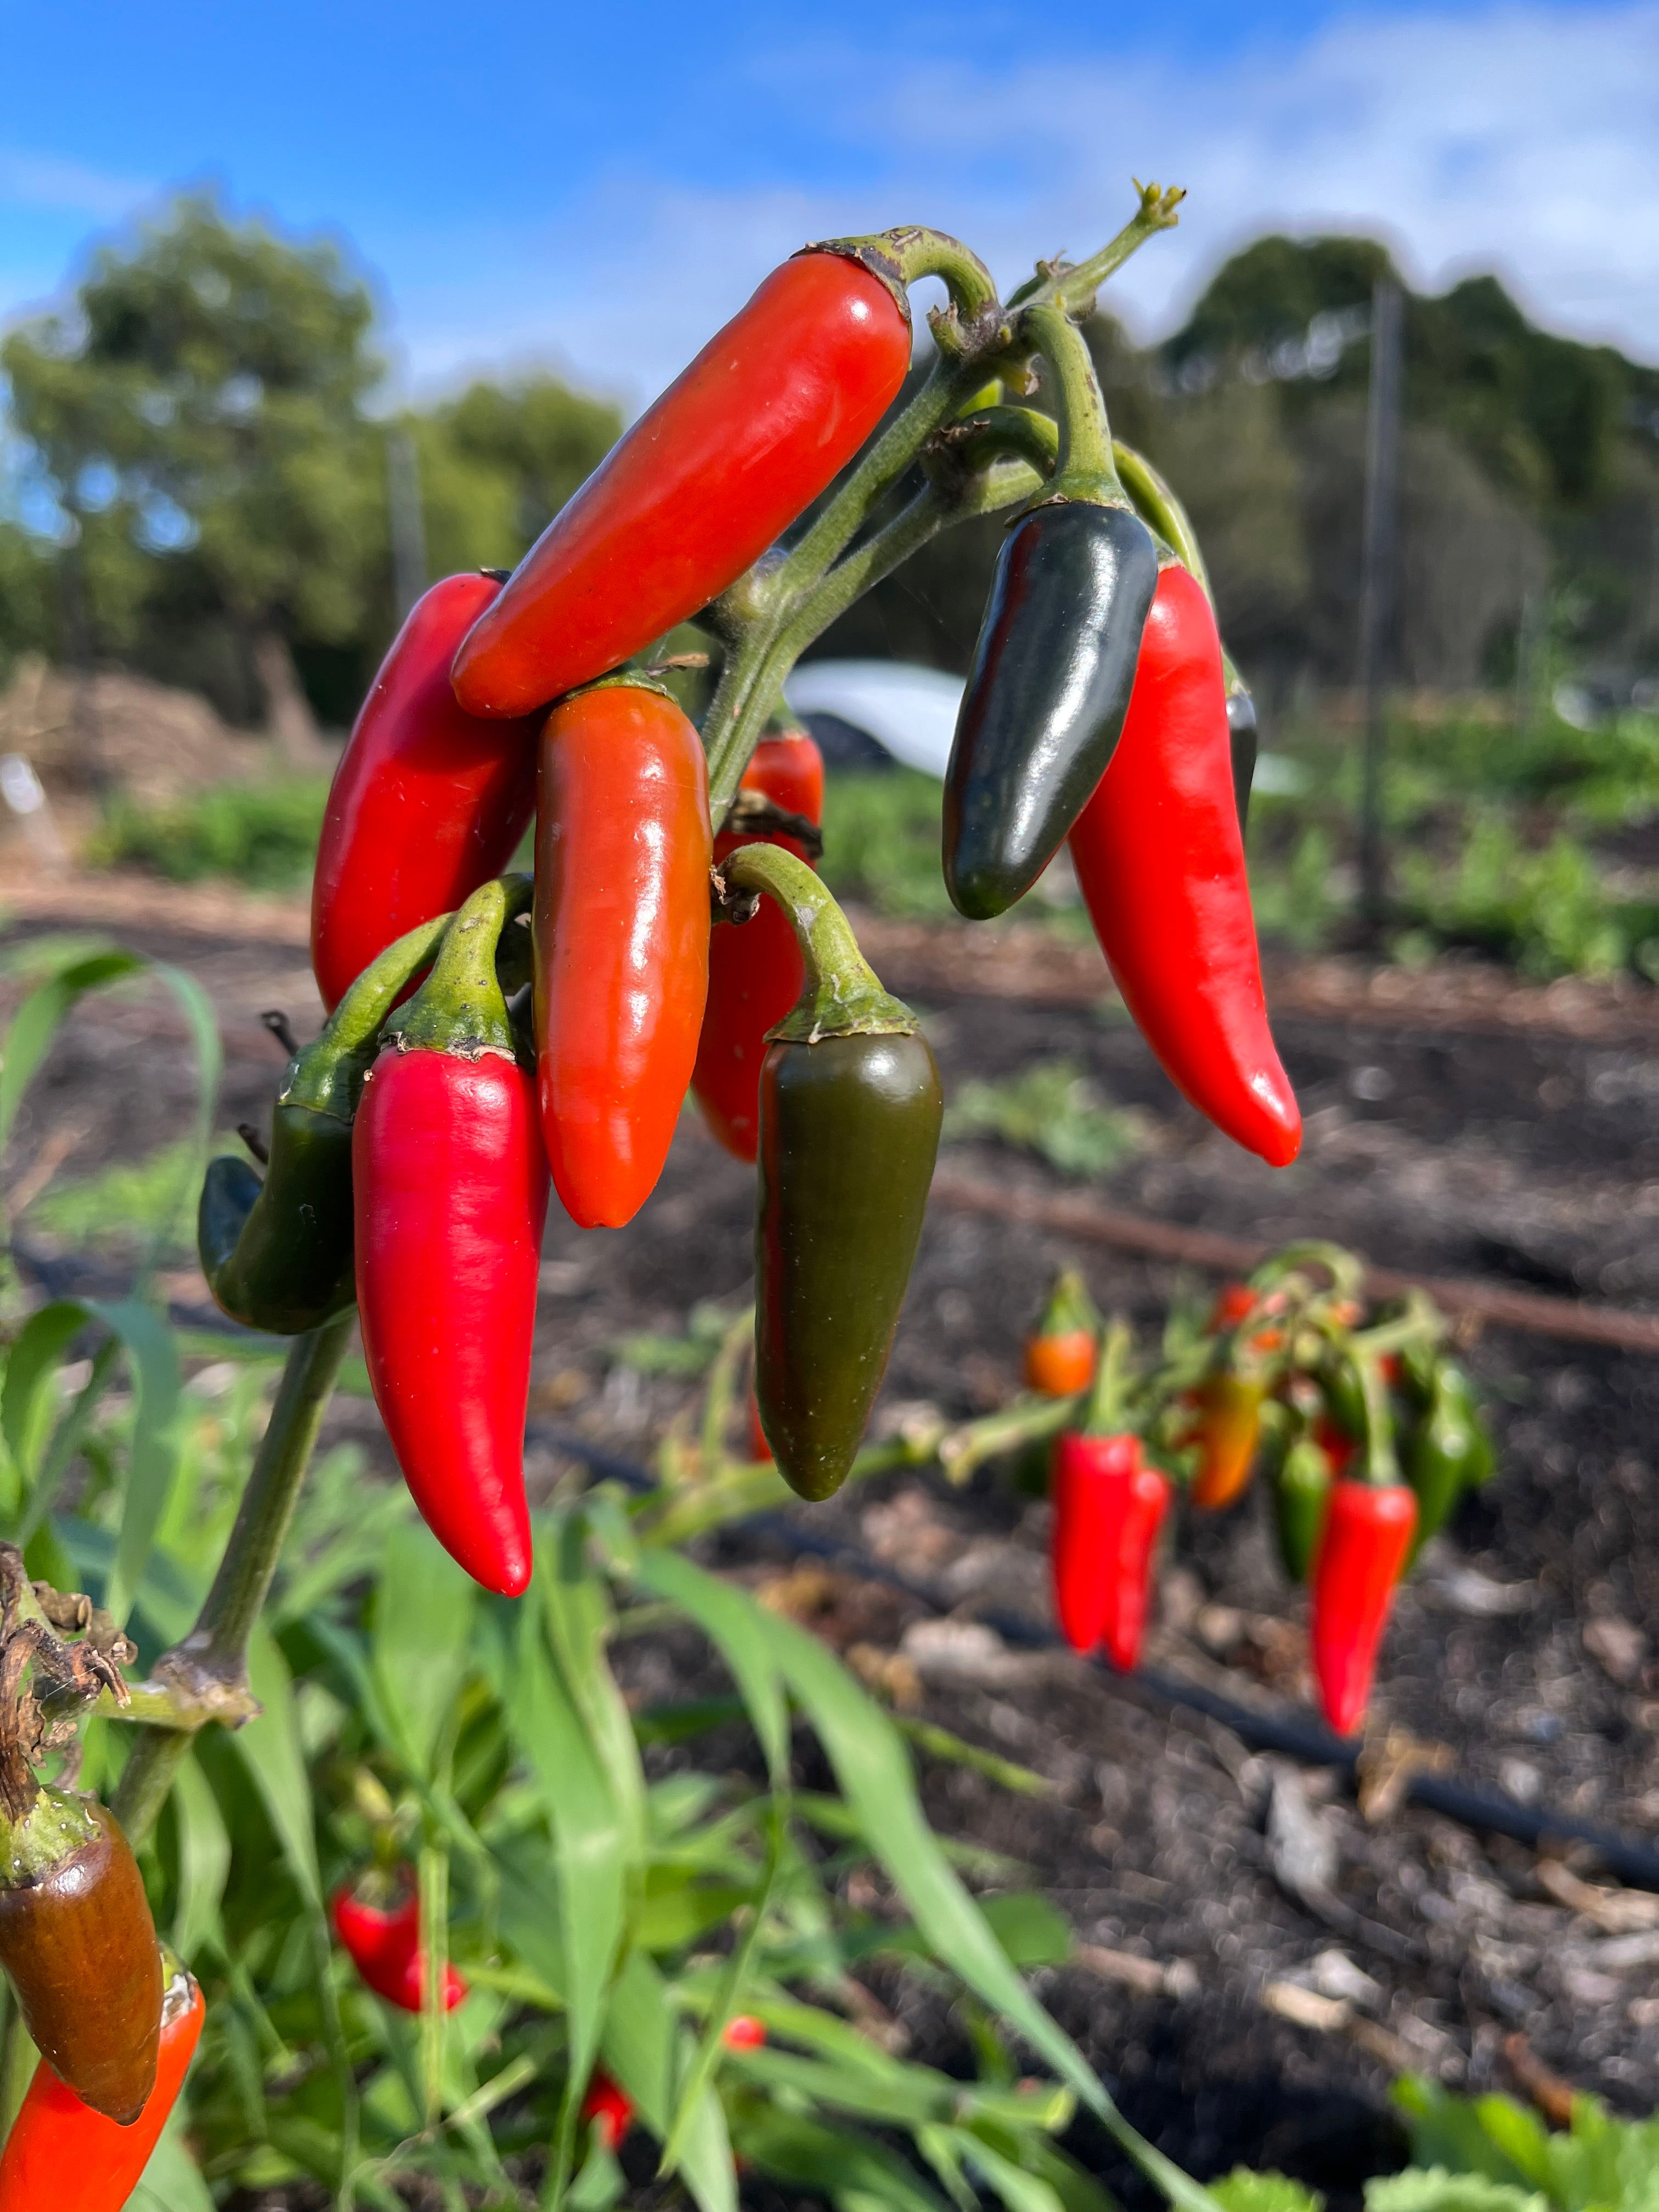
x=461, y=1007
x=1070, y=1310
x=842, y=995
x=973, y=322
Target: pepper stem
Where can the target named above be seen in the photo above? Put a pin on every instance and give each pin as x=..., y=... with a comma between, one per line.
x=460, y=1007
x=1107, y=1403
x=1087, y=470
x=327, y=1076
x=902, y=257
x=842, y=995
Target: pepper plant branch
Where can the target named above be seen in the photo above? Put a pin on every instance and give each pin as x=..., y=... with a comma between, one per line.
x=1086, y=469
x=206, y=1672
x=1160, y=509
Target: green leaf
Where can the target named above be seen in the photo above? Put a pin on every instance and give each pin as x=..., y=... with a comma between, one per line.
x=1434, y=2190
x=36, y=1022
x=727, y=1618
x=1242, y=2190
x=270, y=1748
x=152, y=1460
x=203, y=1026
x=423, y=1604
x=1020, y=2191
x=587, y=1830
x=203, y=1859
x=27, y=1401
x=854, y=2171
x=579, y=1625
x=642, y=2050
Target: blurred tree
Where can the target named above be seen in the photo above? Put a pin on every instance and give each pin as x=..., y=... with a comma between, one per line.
x=200, y=407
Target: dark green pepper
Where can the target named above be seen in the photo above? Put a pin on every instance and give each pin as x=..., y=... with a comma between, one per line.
x=850, y=1108
x=1447, y=1452
x=1344, y=1394
x=1056, y=660
x=1301, y=1492
x=277, y=1253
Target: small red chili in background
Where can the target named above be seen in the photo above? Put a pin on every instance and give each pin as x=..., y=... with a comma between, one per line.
x=427, y=803
x=1234, y=1302
x=383, y=1943
x=63, y=2156
x=1367, y=1534
x=743, y=2032
x=755, y=970
x=1109, y=1508
x=609, y=2109
x=621, y=921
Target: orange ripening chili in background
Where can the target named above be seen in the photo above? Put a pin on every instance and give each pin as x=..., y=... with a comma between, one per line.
x=621, y=930
x=771, y=410
x=1059, y=1366
x=1160, y=863
x=1228, y=1425
x=755, y=968
x=62, y=2156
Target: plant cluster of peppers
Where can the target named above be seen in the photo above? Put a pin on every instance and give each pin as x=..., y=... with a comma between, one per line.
x=673, y=935
x=1364, y=1429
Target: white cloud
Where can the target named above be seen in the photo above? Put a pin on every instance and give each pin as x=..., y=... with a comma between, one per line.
x=1523, y=139
x=40, y=180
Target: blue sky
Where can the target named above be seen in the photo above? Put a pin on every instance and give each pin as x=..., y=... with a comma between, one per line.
x=596, y=187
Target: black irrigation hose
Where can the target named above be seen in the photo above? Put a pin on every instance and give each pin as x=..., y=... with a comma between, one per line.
x=1538, y=1827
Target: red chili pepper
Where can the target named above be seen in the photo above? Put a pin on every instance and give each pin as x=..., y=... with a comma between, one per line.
x=63, y=2155
x=609, y=2108
x=743, y=2032
x=384, y=1944
x=770, y=412
x=1368, y=1533
x=427, y=803
x=622, y=849
x=1235, y=1302
x=1097, y=1538
x=756, y=970
x=1338, y=1446
x=450, y=1194
x=1160, y=865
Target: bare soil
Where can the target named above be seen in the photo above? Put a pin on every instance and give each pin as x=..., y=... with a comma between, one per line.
x=1523, y=1146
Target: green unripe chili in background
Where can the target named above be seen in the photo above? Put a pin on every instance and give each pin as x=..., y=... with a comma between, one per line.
x=1300, y=1494
x=278, y=1253
x=1446, y=1452
x=850, y=1108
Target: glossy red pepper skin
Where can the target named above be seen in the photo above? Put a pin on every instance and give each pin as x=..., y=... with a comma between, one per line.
x=1161, y=867
x=621, y=935
x=755, y=970
x=384, y=1944
x=450, y=1194
x=771, y=410
x=428, y=802
x=62, y=2156
x=1368, y=1533
x=1090, y=1480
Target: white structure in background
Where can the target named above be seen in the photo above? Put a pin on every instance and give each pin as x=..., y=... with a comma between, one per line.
x=911, y=711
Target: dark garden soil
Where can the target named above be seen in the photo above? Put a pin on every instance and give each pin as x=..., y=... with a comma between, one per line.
x=1240, y=2009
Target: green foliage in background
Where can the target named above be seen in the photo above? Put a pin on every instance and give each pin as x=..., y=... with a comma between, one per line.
x=263, y=835
x=882, y=839
x=1050, y=1109
x=1487, y=2153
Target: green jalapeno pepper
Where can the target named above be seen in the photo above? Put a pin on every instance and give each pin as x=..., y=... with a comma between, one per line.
x=1447, y=1451
x=1302, y=1496
x=278, y=1253
x=850, y=1108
